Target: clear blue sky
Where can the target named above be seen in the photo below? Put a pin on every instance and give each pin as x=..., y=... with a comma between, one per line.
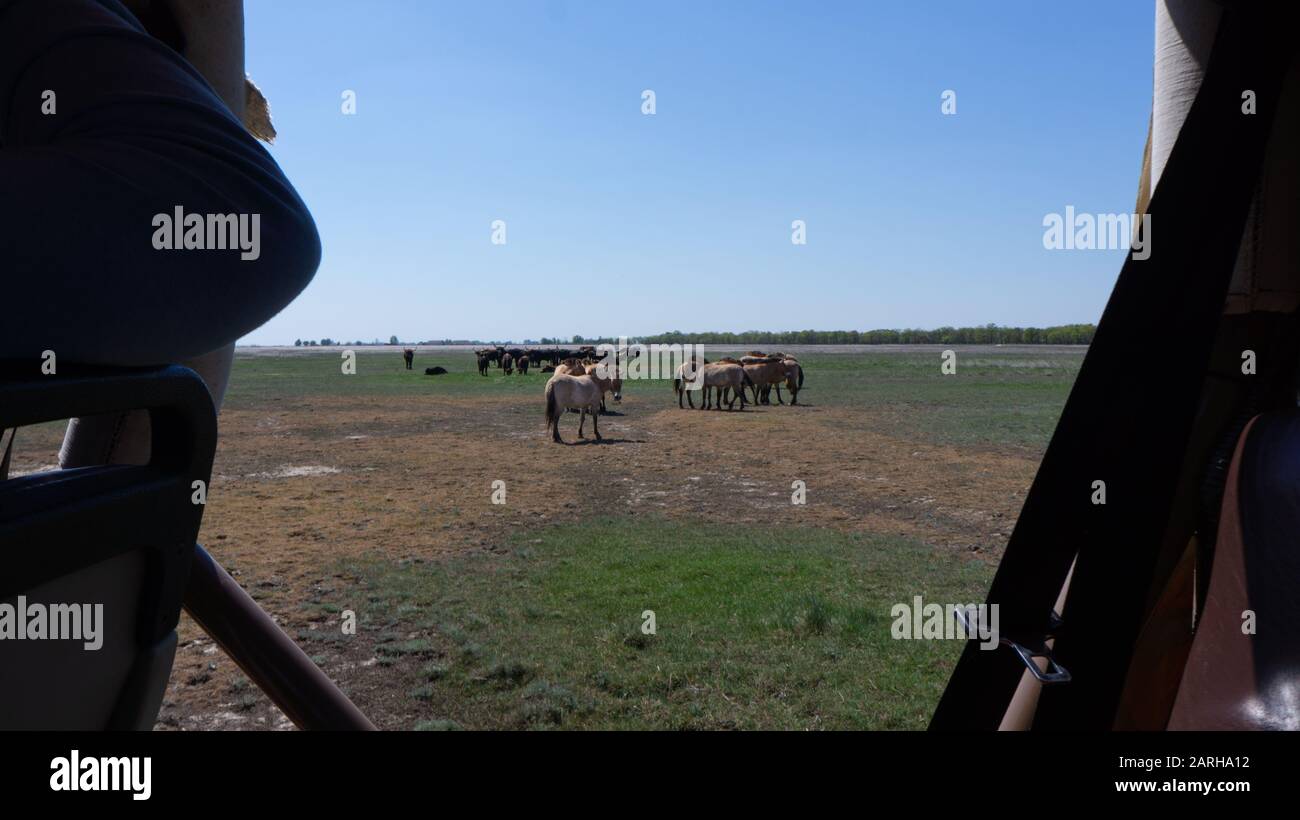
x=767, y=112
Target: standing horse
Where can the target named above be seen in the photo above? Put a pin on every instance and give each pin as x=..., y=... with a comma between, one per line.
x=570, y=367
x=507, y=363
x=608, y=378
x=523, y=362
x=564, y=392
x=765, y=372
x=686, y=374
x=408, y=355
x=483, y=362
x=724, y=376
x=793, y=379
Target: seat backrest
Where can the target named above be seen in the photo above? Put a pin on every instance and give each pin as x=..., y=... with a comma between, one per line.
x=94, y=560
x=1245, y=659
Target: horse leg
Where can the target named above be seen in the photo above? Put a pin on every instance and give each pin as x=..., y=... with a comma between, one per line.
x=778, y=395
x=595, y=427
x=581, y=421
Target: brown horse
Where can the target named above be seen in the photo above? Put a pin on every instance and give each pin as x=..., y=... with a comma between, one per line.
x=793, y=379
x=507, y=363
x=408, y=356
x=722, y=377
x=523, y=362
x=570, y=367
x=608, y=377
x=686, y=375
x=564, y=392
x=764, y=373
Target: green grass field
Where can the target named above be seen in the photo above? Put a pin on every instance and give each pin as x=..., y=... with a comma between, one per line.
x=756, y=627
x=771, y=627
x=753, y=630
x=1006, y=396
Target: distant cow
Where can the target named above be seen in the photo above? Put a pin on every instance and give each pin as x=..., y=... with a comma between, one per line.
x=489, y=354
x=434, y=371
x=408, y=355
x=523, y=362
x=507, y=363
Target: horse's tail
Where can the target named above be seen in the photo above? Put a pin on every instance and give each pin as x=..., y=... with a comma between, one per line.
x=748, y=382
x=550, y=405
x=677, y=385
x=801, y=377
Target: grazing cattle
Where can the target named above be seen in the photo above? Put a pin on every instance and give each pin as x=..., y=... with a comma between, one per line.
x=483, y=362
x=564, y=392
x=508, y=363
x=721, y=377
x=408, y=355
x=523, y=362
x=435, y=371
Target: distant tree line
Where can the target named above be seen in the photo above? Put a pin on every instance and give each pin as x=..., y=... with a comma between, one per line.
x=984, y=335
x=392, y=340
x=987, y=334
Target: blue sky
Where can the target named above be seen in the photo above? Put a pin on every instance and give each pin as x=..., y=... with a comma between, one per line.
x=622, y=223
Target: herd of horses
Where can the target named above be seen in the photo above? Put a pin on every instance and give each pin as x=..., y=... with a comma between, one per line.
x=581, y=378
x=581, y=384
x=725, y=380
